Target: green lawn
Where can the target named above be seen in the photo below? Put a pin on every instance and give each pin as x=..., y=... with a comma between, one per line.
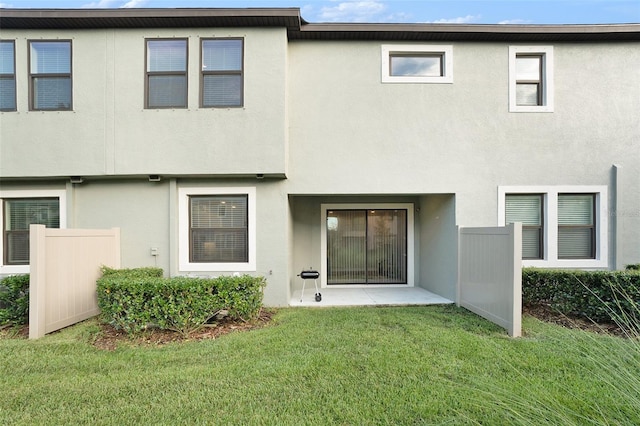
x=348, y=366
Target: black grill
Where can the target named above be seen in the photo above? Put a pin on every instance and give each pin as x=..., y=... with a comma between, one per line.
x=309, y=275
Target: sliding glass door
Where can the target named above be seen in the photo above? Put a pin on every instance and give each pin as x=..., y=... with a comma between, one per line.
x=366, y=246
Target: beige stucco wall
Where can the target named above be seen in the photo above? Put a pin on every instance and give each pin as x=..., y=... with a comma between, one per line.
x=110, y=133
x=317, y=112
x=351, y=134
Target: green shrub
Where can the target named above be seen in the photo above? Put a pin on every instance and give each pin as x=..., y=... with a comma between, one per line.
x=633, y=267
x=146, y=272
x=240, y=296
x=597, y=295
x=133, y=300
x=14, y=300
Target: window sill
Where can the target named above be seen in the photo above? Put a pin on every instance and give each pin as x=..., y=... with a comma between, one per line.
x=567, y=263
x=217, y=267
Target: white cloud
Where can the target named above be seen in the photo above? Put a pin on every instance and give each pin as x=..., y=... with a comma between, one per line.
x=352, y=11
x=105, y=4
x=514, y=21
x=101, y=4
x=459, y=20
x=133, y=3
x=6, y=5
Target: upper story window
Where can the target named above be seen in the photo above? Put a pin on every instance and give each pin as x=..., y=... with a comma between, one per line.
x=7, y=76
x=50, y=75
x=531, y=79
x=417, y=64
x=166, y=73
x=222, y=73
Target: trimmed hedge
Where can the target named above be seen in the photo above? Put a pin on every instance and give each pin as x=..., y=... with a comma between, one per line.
x=136, y=299
x=602, y=296
x=14, y=300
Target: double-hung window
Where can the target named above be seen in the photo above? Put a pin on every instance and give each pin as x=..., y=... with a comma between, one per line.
x=18, y=210
x=562, y=226
x=222, y=73
x=166, y=73
x=7, y=75
x=217, y=229
x=531, y=78
x=576, y=226
x=50, y=75
x=417, y=63
x=527, y=209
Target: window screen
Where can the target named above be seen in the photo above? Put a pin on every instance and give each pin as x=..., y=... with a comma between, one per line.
x=166, y=73
x=527, y=209
x=50, y=71
x=18, y=215
x=7, y=76
x=222, y=76
x=219, y=230
x=576, y=226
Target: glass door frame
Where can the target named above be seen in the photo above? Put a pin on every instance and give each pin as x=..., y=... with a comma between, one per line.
x=409, y=207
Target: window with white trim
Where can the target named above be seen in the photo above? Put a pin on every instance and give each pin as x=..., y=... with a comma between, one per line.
x=531, y=78
x=527, y=209
x=50, y=75
x=217, y=229
x=19, y=209
x=7, y=75
x=417, y=63
x=562, y=226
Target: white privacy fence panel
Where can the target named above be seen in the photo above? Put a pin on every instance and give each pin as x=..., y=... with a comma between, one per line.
x=65, y=264
x=490, y=274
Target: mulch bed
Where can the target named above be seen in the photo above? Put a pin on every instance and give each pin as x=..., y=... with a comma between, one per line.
x=546, y=314
x=109, y=338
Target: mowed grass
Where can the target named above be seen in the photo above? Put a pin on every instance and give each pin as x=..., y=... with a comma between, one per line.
x=348, y=366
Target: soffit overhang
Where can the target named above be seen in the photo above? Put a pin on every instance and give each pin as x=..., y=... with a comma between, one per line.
x=299, y=29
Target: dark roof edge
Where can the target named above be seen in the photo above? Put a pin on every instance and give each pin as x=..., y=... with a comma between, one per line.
x=299, y=29
x=147, y=12
x=472, y=32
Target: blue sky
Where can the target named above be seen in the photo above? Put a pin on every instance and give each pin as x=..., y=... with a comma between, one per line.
x=401, y=11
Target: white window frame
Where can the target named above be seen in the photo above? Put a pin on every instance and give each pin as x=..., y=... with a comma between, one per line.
x=447, y=62
x=547, y=78
x=61, y=195
x=409, y=207
x=550, y=247
x=184, y=264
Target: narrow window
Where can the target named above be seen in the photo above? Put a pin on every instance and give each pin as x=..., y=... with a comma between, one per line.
x=528, y=80
x=527, y=209
x=7, y=76
x=50, y=75
x=19, y=213
x=219, y=229
x=531, y=79
x=166, y=73
x=222, y=73
x=576, y=226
